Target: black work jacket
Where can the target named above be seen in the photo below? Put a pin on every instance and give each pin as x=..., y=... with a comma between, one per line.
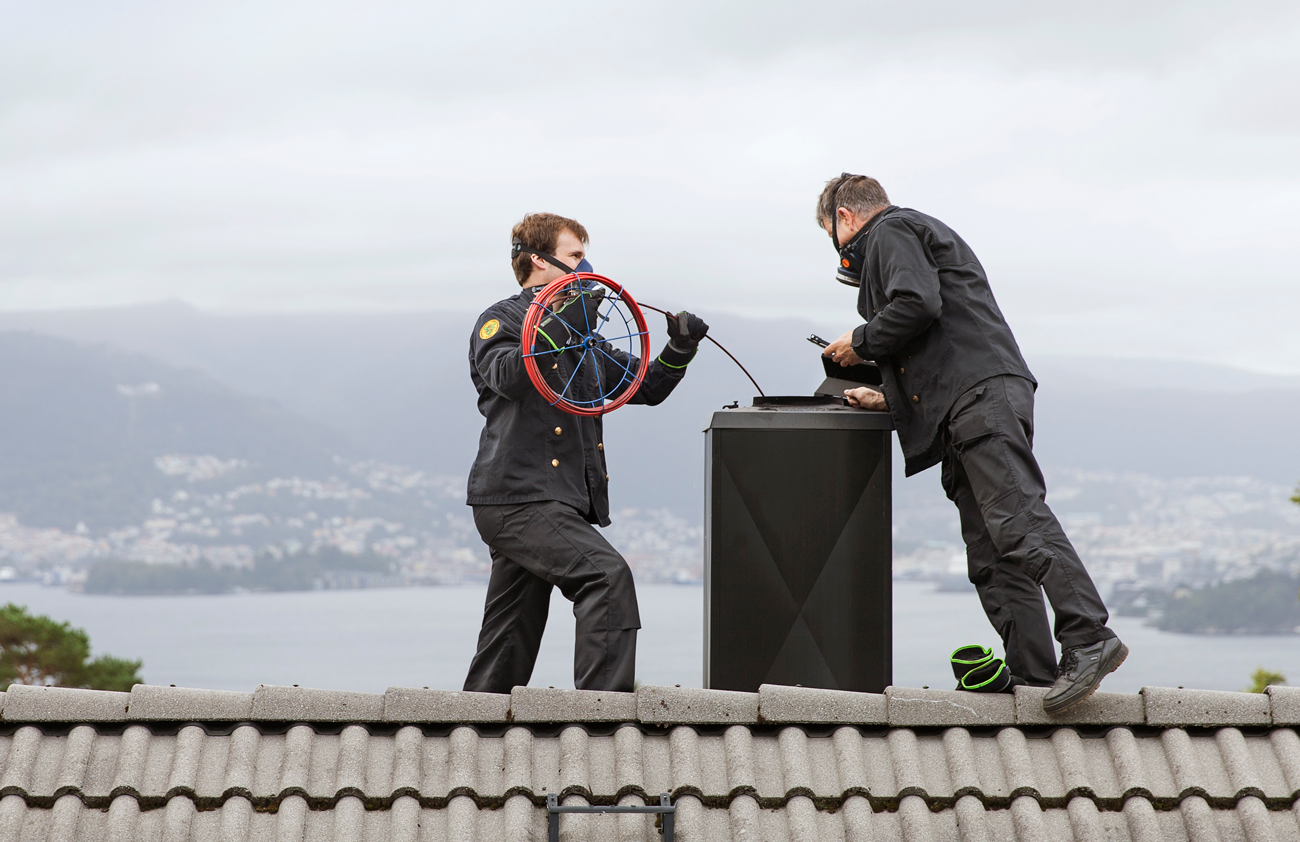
x=932, y=325
x=530, y=451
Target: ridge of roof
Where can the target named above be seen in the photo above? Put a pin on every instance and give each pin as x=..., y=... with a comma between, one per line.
x=899, y=707
x=782, y=782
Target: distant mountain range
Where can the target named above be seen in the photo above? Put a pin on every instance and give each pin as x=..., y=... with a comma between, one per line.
x=81, y=425
x=295, y=389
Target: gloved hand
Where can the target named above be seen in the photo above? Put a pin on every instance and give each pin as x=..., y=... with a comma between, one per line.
x=581, y=312
x=685, y=331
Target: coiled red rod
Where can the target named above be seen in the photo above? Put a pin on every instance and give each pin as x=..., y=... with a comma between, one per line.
x=715, y=342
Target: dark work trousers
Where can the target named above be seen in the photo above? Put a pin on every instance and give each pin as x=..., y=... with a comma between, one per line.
x=1016, y=549
x=535, y=546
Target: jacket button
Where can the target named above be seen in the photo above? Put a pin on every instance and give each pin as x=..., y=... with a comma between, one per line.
x=902, y=370
x=916, y=398
x=555, y=366
x=557, y=431
x=606, y=477
x=600, y=445
x=555, y=463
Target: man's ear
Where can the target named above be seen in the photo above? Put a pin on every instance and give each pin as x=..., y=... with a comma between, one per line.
x=538, y=263
x=845, y=215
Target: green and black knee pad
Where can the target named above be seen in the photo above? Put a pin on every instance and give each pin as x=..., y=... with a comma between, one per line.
x=979, y=672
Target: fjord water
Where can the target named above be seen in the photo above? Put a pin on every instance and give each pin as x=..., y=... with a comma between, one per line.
x=368, y=640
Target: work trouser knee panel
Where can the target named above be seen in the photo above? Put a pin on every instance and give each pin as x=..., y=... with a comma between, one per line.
x=592, y=575
x=1015, y=536
x=1008, y=493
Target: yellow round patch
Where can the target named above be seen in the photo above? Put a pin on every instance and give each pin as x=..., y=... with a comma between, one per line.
x=489, y=329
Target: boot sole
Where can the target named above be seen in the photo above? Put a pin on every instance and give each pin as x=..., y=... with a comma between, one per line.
x=1123, y=656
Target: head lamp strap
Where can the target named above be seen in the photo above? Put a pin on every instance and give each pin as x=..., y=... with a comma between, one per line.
x=517, y=248
x=835, y=211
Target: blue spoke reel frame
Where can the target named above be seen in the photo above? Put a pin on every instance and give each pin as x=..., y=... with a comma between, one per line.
x=611, y=345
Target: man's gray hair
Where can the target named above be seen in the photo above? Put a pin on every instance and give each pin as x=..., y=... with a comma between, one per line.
x=858, y=193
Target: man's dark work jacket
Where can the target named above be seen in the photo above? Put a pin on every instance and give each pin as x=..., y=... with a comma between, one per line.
x=530, y=451
x=932, y=325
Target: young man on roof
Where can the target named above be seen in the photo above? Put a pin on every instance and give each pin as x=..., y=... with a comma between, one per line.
x=961, y=395
x=540, y=482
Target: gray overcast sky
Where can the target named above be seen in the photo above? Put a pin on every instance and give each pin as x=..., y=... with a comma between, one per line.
x=1128, y=173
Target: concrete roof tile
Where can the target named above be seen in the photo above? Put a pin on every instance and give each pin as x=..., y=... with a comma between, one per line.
x=181, y=704
x=25, y=703
x=780, y=703
x=538, y=704
x=1285, y=744
x=410, y=704
x=1285, y=704
x=963, y=766
x=1098, y=709
x=850, y=759
x=782, y=784
x=241, y=760
x=301, y=704
x=1166, y=706
x=688, y=705
x=296, y=764
x=684, y=758
x=910, y=708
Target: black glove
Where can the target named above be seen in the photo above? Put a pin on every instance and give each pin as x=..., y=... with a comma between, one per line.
x=570, y=318
x=582, y=311
x=685, y=331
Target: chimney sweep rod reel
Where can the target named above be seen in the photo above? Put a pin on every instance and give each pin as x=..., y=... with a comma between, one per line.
x=564, y=344
x=598, y=382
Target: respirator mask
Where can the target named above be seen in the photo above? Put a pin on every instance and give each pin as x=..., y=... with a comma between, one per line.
x=849, y=272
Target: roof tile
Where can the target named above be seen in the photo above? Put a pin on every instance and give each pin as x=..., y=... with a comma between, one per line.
x=1098, y=709
x=76, y=757
x=793, y=745
x=850, y=759
x=780, y=703
x=910, y=708
x=692, y=706
x=1285, y=703
x=684, y=758
x=536, y=704
x=181, y=704
x=187, y=748
x=297, y=757
x=301, y=704
x=26, y=703
x=409, y=704
x=802, y=780
x=1286, y=748
x=1166, y=706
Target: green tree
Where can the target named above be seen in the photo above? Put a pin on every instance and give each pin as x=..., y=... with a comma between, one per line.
x=35, y=649
x=1262, y=678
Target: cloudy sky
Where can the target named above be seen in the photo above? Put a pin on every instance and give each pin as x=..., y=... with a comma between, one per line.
x=1128, y=173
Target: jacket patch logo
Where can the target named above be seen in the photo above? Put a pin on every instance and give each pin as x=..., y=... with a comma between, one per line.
x=489, y=329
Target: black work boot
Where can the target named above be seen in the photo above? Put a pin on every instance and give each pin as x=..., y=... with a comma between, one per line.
x=1081, y=671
